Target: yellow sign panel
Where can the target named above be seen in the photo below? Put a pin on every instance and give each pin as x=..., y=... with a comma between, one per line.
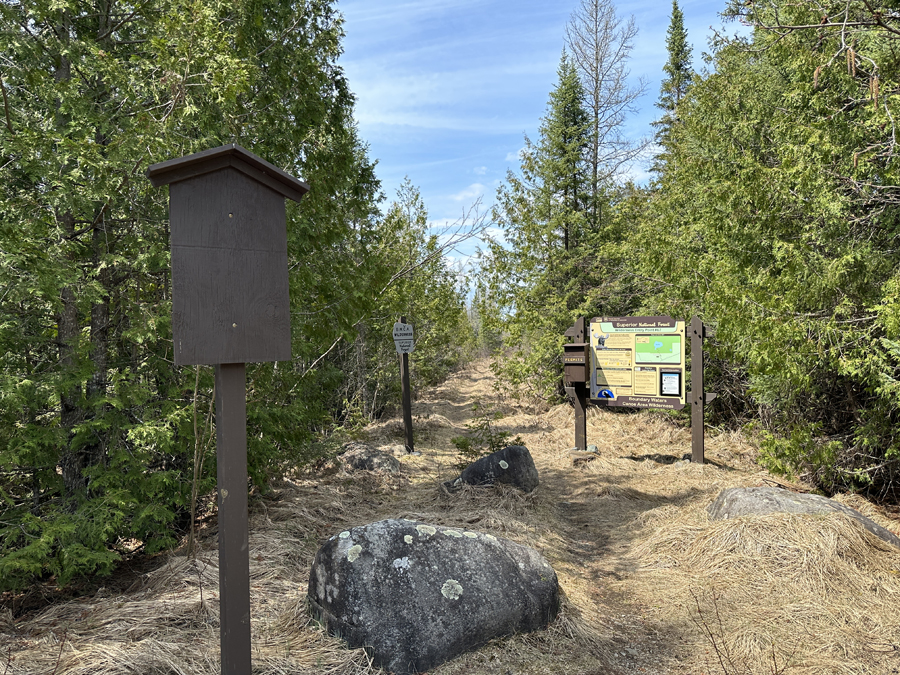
x=638, y=362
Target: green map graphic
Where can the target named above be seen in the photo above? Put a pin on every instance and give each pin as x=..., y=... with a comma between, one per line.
x=657, y=349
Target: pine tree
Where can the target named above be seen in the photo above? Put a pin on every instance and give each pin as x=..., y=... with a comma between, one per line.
x=543, y=211
x=565, y=136
x=678, y=78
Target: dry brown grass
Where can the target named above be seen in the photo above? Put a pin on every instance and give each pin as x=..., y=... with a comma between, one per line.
x=650, y=585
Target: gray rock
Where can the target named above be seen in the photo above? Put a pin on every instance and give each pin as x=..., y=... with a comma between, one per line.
x=417, y=595
x=397, y=450
x=364, y=457
x=513, y=465
x=736, y=502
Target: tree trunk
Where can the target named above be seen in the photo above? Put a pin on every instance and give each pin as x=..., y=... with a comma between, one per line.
x=71, y=413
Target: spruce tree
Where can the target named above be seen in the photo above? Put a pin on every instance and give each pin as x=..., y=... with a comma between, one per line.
x=543, y=210
x=677, y=80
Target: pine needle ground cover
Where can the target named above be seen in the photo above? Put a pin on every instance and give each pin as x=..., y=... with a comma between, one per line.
x=651, y=585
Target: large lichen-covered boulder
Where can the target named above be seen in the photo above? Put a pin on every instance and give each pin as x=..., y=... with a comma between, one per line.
x=416, y=595
x=736, y=502
x=512, y=465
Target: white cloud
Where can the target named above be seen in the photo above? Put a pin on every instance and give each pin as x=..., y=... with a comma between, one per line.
x=480, y=170
x=398, y=95
x=637, y=174
x=470, y=194
x=516, y=156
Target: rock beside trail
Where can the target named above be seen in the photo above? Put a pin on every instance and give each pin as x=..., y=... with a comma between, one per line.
x=396, y=450
x=417, y=595
x=513, y=465
x=736, y=502
x=364, y=457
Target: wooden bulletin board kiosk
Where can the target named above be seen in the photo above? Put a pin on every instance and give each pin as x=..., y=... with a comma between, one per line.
x=635, y=362
x=230, y=306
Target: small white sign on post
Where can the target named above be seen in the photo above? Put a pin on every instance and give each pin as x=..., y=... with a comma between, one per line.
x=403, y=338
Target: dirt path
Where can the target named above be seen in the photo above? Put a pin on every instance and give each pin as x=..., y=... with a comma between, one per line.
x=598, y=517
x=650, y=584
x=592, y=507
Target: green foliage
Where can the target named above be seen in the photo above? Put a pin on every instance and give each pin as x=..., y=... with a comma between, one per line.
x=804, y=451
x=418, y=285
x=678, y=77
x=559, y=260
x=774, y=218
x=483, y=437
x=97, y=432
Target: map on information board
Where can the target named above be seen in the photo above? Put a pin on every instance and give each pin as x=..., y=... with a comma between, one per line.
x=651, y=349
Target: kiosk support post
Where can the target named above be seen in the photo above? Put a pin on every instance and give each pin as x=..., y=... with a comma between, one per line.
x=577, y=378
x=698, y=400
x=234, y=553
x=581, y=403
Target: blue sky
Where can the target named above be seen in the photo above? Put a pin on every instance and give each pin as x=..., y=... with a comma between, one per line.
x=447, y=89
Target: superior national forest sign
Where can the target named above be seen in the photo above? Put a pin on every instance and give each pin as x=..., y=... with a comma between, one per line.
x=638, y=361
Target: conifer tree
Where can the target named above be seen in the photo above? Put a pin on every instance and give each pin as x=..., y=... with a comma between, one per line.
x=677, y=80
x=543, y=211
x=96, y=425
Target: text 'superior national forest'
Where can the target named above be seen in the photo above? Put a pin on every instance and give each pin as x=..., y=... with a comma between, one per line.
x=772, y=212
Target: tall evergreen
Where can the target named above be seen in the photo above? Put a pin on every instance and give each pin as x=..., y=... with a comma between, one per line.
x=539, y=278
x=678, y=77
x=98, y=437
x=565, y=138
x=776, y=218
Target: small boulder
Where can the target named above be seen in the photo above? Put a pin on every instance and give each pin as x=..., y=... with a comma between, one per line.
x=513, y=465
x=417, y=595
x=364, y=457
x=396, y=450
x=736, y=502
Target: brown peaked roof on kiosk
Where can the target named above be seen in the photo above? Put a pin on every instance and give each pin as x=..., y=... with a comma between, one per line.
x=227, y=156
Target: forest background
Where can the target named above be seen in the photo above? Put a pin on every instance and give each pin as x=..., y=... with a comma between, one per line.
x=772, y=215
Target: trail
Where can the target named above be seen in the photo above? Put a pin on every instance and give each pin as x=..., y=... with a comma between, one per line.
x=603, y=507
x=596, y=501
x=649, y=584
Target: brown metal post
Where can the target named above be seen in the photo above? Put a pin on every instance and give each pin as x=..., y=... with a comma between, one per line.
x=697, y=397
x=578, y=333
x=234, y=553
x=581, y=403
x=406, y=397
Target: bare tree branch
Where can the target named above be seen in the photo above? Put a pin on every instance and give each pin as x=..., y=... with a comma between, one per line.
x=601, y=44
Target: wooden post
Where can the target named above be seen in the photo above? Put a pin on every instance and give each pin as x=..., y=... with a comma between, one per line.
x=581, y=404
x=234, y=552
x=579, y=389
x=406, y=397
x=698, y=400
x=230, y=306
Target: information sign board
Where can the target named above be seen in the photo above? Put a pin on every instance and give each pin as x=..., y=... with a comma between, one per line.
x=403, y=338
x=638, y=361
